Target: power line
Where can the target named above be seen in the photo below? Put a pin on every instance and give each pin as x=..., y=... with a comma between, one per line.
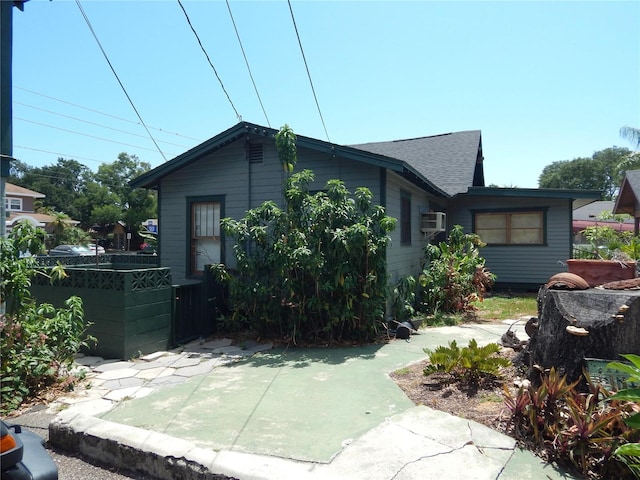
x=308, y=73
x=209, y=60
x=63, y=155
x=247, y=63
x=86, y=19
x=105, y=114
x=86, y=135
x=94, y=123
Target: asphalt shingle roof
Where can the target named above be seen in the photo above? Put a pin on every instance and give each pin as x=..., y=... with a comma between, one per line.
x=448, y=160
x=629, y=194
x=633, y=177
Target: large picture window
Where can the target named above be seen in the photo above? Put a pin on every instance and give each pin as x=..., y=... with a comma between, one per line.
x=205, y=239
x=510, y=228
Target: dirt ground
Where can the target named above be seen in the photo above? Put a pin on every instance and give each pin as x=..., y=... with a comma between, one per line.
x=483, y=404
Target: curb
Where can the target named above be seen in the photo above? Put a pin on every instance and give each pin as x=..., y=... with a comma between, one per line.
x=142, y=451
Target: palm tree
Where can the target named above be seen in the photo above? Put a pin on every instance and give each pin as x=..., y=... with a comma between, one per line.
x=59, y=224
x=631, y=134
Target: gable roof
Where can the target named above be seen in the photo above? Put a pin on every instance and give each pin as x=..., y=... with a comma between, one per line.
x=593, y=210
x=18, y=191
x=628, y=200
x=403, y=167
x=453, y=161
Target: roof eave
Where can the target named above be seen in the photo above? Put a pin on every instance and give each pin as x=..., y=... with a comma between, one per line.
x=579, y=198
x=153, y=177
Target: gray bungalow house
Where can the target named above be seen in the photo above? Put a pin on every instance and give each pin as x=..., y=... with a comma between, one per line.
x=428, y=184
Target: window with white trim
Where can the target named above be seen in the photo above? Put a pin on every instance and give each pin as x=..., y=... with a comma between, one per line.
x=13, y=204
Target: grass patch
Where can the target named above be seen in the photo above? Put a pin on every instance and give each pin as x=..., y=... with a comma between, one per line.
x=494, y=308
x=504, y=307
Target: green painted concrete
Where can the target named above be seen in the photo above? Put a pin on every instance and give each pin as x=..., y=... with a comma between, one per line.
x=302, y=404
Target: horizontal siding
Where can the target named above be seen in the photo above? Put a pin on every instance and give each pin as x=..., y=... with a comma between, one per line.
x=403, y=260
x=223, y=173
x=523, y=264
x=244, y=186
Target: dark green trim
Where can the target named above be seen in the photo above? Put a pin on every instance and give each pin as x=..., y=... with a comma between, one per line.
x=202, y=199
x=383, y=187
x=158, y=216
x=404, y=195
x=544, y=211
x=531, y=192
x=245, y=129
x=570, y=245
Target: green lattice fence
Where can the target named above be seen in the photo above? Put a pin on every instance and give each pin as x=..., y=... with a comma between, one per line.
x=129, y=310
x=609, y=378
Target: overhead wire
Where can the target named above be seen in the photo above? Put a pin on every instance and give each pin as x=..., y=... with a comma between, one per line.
x=246, y=61
x=239, y=117
x=63, y=155
x=93, y=123
x=85, y=134
x=308, y=72
x=104, y=113
x=86, y=19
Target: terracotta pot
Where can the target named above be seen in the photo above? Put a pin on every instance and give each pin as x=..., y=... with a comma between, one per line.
x=597, y=272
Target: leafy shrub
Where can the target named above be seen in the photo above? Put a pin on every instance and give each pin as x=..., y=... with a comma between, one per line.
x=575, y=429
x=471, y=363
x=454, y=274
x=403, y=299
x=315, y=269
x=629, y=453
x=38, y=342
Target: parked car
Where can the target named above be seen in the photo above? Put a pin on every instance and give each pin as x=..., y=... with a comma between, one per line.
x=70, y=250
x=147, y=250
x=23, y=456
x=92, y=247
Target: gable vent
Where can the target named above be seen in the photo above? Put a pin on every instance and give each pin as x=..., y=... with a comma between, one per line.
x=255, y=152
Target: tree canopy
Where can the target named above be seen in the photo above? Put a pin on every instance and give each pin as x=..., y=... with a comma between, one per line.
x=603, y=171
x=103, y=197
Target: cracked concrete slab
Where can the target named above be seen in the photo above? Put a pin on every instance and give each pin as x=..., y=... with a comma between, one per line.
x=289, y=414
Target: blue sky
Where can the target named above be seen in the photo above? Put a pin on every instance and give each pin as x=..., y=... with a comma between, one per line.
x=544, y=81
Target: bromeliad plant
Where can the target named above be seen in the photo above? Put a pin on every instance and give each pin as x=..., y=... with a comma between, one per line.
x=575, y=429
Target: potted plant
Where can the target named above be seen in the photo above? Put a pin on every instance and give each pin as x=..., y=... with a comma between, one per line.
x=611, y=257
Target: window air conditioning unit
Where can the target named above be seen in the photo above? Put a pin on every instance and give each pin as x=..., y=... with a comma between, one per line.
x=433, y=222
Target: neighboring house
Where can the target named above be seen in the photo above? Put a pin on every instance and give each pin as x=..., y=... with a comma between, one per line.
x=628, y=200
x=428, y=184
x=591, y=216
x=19, y=205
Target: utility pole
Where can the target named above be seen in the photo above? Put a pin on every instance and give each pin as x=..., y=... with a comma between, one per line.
x=6, y=86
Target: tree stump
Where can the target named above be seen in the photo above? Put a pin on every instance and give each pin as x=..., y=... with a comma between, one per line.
x=604, y=324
